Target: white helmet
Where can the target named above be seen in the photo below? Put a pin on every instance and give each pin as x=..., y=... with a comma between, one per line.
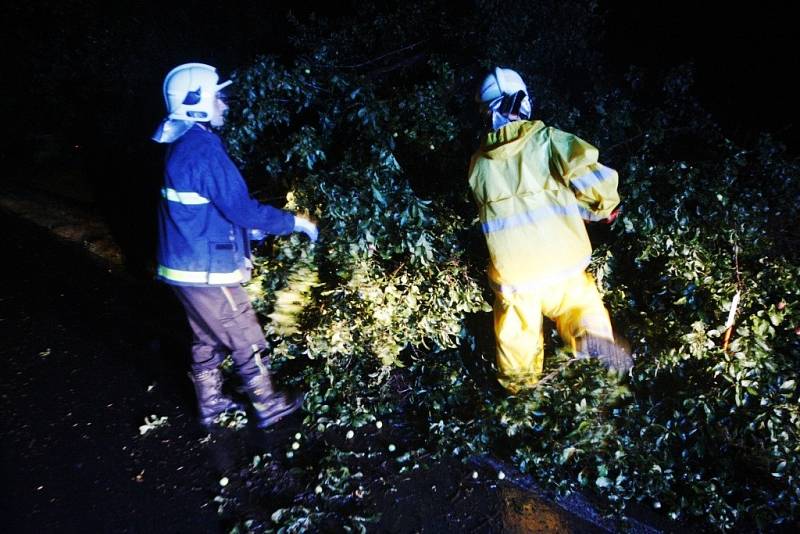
x=499, y=83
x=504, y=96
x=190, y=90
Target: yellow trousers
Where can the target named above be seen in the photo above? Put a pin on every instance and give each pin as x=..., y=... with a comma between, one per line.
x=574, y=304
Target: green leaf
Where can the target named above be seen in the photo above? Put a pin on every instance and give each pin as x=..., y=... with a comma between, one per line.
x=603, y=482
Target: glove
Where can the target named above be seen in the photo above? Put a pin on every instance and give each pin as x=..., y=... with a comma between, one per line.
x=301, y=224
x=611, y=218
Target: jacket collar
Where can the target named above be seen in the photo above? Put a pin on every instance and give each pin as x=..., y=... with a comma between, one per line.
x=508, y=140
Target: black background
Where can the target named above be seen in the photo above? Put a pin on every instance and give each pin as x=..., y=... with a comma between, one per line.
x=83, y=68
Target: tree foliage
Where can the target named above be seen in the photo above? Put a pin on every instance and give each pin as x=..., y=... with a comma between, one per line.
x=369, y=130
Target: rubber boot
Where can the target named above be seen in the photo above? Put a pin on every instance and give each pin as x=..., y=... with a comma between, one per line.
x=269, y=405
x=612, y=355
x=211, y=402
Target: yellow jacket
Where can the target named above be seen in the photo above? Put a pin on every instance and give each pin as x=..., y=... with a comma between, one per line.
x=535, y=185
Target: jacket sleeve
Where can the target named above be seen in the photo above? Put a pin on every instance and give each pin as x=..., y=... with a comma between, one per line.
x=575, y=162
x=229, y=193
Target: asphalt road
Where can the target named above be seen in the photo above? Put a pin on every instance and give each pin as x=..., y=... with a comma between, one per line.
x=87, y=355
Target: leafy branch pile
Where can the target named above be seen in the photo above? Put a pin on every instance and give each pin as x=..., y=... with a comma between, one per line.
x=384, y=319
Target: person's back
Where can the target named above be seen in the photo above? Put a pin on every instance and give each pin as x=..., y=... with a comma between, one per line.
x=534, y=187
x=532, y=220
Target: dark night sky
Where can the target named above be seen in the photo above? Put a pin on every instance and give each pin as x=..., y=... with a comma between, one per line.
x=744, y=56
x=75, y=56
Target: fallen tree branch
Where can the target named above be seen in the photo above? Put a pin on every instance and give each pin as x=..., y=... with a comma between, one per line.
x=550, y=376
x=375, y=60
x=635, y=137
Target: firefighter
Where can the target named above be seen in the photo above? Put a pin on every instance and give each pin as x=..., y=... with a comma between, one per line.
x=205, y=220
x=535, y=186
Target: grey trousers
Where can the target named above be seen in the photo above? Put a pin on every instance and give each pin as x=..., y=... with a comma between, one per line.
x=223, y=322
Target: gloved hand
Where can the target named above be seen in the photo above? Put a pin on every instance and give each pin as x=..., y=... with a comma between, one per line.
x=611, y=218
x=301, y=224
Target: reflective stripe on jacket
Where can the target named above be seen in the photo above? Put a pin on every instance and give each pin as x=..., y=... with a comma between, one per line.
x=535, y=186
x=205, y=213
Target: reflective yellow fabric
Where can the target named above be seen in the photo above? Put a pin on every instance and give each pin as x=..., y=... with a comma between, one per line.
x=534, y=186
x=200, y=277
x=574, y=304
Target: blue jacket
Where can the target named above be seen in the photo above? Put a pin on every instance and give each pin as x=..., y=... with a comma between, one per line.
x=205, y=215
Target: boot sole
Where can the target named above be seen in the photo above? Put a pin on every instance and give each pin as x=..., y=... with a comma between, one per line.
x=291, y=408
